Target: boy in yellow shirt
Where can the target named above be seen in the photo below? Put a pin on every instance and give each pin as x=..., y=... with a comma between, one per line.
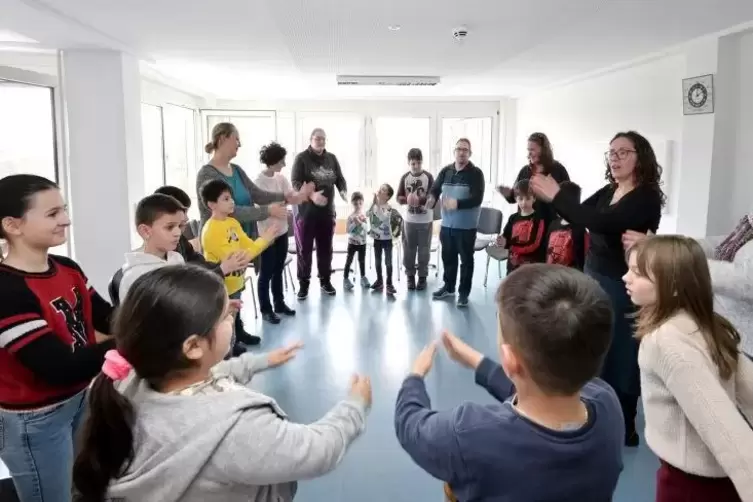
x=222, y=236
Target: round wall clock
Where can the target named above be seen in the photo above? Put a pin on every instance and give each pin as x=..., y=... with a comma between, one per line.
x=698, y=95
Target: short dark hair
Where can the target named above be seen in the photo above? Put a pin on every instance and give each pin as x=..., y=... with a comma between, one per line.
x=212, y=190
x=415, y=154
x=559, y=322
x=390, y=190
x=152, y=207
x=176, y=193
x=571, y=189
x=523, y=188
x=355, y=197
x=272, y=153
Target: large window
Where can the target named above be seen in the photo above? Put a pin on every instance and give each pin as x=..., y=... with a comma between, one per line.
x=394, y=137
x=345, y=139
x=153, y=146
x=27, y=134
x=255, y=130
x=27, y=130
x=180, y=151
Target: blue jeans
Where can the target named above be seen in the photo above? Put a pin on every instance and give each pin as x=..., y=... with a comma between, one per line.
x=37, y=448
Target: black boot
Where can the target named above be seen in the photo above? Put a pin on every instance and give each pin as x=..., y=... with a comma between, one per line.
x=421, y=284
x=411, y=280
x=303, y=290
x=242, y=336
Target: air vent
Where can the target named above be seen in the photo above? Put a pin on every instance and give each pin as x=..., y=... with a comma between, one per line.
x=386, y=80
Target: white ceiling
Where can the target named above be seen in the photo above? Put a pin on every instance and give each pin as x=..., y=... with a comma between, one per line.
x=250, y=49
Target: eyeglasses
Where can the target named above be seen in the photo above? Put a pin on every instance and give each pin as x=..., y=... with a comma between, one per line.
x=619, y=154
x=462, y=150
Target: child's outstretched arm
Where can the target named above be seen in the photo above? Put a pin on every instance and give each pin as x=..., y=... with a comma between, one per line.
x=242, y=368
x=265, y=448
x=428, y=436
x=256, y=247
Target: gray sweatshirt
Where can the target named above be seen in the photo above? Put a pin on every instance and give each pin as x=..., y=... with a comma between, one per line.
x=138, y=263
x=733, y=288
x=220, y=441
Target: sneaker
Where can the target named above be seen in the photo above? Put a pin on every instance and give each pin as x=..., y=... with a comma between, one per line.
x=411, y=280
x=378, y=285
x=442, y=292
x=283, y=309
x=391, y=289
x=421, y=284
x=303, y=290
x=328, y=289
x=365, y=282
x=632, y=440
x=462, y=301
x=347, y=285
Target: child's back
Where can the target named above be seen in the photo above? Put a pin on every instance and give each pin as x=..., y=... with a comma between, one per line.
x=556, y=432
x=221, y=441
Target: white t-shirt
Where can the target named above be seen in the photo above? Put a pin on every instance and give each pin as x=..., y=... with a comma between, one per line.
x=278, y=184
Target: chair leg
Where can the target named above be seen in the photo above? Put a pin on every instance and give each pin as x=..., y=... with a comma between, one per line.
x=290, y=276
x=499, y=268
x=486, y=272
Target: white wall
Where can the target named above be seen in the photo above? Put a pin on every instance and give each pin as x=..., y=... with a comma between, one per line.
x=581, y=118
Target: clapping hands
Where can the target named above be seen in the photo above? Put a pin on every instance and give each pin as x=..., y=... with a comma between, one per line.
x=457, y=349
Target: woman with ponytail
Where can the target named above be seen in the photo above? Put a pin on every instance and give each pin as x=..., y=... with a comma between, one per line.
x=53, y=338
x=169, y=420
x=252, y=204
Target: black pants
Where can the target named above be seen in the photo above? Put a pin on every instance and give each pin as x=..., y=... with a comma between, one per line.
x=383, y=247
x=457, y=243
x=352, y=250
x=270, y=272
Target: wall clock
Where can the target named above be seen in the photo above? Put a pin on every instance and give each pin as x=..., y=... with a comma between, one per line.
x=698, y=95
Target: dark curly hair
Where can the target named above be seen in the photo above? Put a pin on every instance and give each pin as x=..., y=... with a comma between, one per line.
x=272, y=153
x=647, y=168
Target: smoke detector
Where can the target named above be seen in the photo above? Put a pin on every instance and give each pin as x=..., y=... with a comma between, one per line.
x=460, y=33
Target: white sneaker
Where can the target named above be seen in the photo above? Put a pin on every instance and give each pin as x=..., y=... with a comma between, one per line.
x=365, y=283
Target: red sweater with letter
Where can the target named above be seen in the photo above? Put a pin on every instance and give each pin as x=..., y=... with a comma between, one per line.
x=48, y=350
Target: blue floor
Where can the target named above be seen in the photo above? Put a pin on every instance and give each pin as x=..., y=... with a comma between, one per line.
x=369, y=333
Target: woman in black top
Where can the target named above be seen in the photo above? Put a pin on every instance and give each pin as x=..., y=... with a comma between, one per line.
x=540, y=161
x=632, y=200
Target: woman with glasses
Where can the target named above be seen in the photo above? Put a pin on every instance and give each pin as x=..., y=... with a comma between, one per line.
x=540, y=161
x=631, y=200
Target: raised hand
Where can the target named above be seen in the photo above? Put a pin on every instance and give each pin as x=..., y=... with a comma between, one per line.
x=360, y=386
x=631, y=237
x=505, y=191
x=234, y=262
x=423, y=363
x=282, y=355
x=272, y=231
x=278, y=211
x=460, y=351
x=544, y=187
x=318, y=198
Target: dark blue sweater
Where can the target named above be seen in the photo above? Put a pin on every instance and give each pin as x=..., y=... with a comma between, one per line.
x=491, y=453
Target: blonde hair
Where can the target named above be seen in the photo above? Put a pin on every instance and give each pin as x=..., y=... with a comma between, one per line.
x=219, y=131
x=680, y=272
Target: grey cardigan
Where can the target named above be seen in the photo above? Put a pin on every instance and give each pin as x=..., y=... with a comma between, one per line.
x=244, y=214
x=733, y=288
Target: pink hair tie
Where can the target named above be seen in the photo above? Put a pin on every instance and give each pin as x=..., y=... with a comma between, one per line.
x=115, y=365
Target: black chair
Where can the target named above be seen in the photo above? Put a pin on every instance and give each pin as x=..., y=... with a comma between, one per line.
x=113, y=288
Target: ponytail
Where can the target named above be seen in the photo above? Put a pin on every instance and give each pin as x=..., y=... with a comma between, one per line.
x=106, y=443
